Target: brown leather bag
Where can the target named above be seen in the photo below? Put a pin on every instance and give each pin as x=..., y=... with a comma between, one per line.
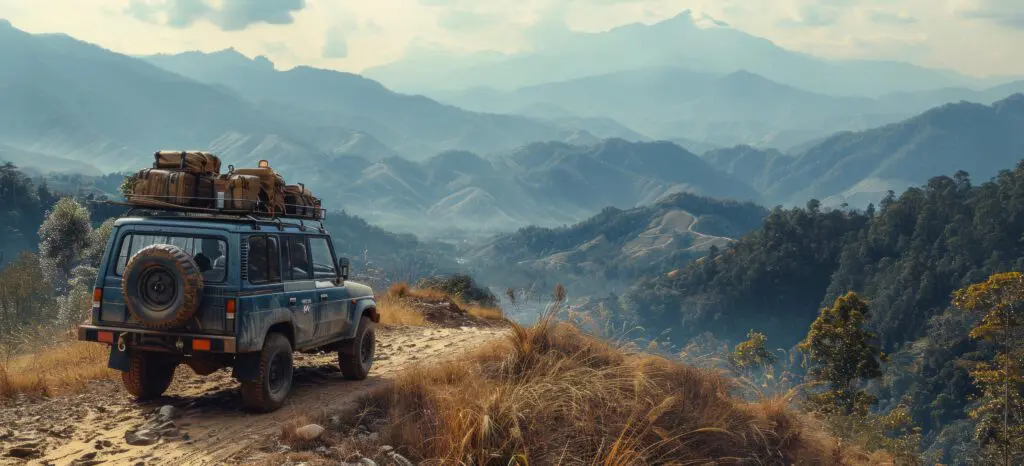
x=172, y=187
x=182, y=188
x=272, y=192
x=300, y=201
x=149, y=185
x=243, y=191
x=195, y=162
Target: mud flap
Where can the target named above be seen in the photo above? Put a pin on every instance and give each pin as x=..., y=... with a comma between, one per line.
x=246, y=367
x=118, y=359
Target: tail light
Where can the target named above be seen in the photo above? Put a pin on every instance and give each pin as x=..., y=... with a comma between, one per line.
x=97, y=298
x=229, y=309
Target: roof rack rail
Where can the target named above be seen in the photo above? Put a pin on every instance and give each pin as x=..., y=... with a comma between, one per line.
x=175, y=211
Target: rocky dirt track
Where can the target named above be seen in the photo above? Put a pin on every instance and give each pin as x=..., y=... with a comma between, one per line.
x=207, y=424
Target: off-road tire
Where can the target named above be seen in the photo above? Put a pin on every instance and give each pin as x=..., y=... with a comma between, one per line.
x=356, y=356
x=264, y=394
x=147, y=377
x=178, y=271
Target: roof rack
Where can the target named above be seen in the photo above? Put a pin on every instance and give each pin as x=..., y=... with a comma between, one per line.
x=166, y=210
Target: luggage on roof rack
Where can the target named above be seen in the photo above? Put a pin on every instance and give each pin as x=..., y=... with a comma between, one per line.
x=190, y=181
x=299, y=201
x=195, y=162
x=173, y=187
x=272, y=193
x=242, y=192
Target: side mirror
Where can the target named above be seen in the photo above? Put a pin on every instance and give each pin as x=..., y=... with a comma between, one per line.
x=343, y=267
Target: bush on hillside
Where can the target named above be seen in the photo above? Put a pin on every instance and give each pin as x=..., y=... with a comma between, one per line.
x=461, y=286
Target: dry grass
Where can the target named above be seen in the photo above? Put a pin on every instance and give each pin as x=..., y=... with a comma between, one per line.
x=557, y=396
x=398, y=306
x=396, y=310
x=55, y=370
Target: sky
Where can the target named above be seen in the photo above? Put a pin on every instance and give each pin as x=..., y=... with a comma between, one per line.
x=977, y=37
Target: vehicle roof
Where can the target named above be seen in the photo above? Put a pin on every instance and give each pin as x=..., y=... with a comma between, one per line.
x=240, y=225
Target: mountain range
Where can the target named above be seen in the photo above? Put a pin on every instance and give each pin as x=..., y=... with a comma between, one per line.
x=696, y=42
x=860, y=167
x=62, y=97
x=541, y=183
x=719, y=109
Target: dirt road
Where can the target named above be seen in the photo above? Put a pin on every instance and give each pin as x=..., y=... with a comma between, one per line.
x=90, y=428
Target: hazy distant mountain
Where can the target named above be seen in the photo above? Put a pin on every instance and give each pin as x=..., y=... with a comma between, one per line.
x=32, y=162
x=753, y=166
x=60, y=97
x=415, y=126
x=672, y=102
x=704, y=45
x=541, y=183
x=859, y=167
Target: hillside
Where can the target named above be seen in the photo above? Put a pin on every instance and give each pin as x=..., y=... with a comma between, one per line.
x=415, y=126
x=615, y=246
x=859, y=167
x=545, y=184
x=702, y=43
x=906, y=258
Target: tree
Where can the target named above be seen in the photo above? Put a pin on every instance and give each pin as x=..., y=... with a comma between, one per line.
x=63, y=234
x=841, y=353
x=999, y=412
x=752, y=353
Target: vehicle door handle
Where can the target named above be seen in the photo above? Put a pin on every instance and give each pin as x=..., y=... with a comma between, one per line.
x=323, y=297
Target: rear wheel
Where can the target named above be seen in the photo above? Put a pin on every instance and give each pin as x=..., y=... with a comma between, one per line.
x=147, y=377
x=356, y=356
x=268, y=392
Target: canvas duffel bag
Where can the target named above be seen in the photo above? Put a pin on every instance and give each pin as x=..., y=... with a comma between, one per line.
x=272, y=193
x=243, y=191
x=200, y=163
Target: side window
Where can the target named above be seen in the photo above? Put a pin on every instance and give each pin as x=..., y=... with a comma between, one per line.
x=296, y=259
x=263, y=259
x=323, y=260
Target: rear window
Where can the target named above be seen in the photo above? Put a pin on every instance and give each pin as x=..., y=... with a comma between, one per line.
x=210, y=254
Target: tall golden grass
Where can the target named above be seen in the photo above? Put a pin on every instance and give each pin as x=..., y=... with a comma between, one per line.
x=63, y=368
x=550, y=394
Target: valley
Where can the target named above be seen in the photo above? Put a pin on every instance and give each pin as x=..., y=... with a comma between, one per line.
x=690, y=194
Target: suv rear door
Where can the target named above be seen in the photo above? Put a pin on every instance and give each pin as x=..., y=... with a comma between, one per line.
x=299, y=288
x=331, y=296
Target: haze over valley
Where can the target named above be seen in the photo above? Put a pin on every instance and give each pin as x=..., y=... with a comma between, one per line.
x=784, y=192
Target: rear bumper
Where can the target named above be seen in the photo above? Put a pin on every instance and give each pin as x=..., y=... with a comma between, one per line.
x=157, y=341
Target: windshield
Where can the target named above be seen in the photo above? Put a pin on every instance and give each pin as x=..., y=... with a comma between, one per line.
x=210, y=254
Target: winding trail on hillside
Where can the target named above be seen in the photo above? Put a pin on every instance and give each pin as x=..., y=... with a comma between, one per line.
x=90, y=428
x=704, y=235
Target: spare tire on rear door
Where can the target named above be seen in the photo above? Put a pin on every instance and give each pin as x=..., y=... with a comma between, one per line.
x=162, y=286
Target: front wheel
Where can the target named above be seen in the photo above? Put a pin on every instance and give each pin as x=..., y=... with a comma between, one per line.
x=268, y=392
x=147, y=376
x=356, y=356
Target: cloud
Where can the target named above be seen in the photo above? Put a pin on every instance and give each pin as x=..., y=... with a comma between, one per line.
x=230, y=15
x=1006, y=13
x=886, y=17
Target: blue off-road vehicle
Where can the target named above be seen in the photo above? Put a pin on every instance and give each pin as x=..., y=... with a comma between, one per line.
x=212, y=291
